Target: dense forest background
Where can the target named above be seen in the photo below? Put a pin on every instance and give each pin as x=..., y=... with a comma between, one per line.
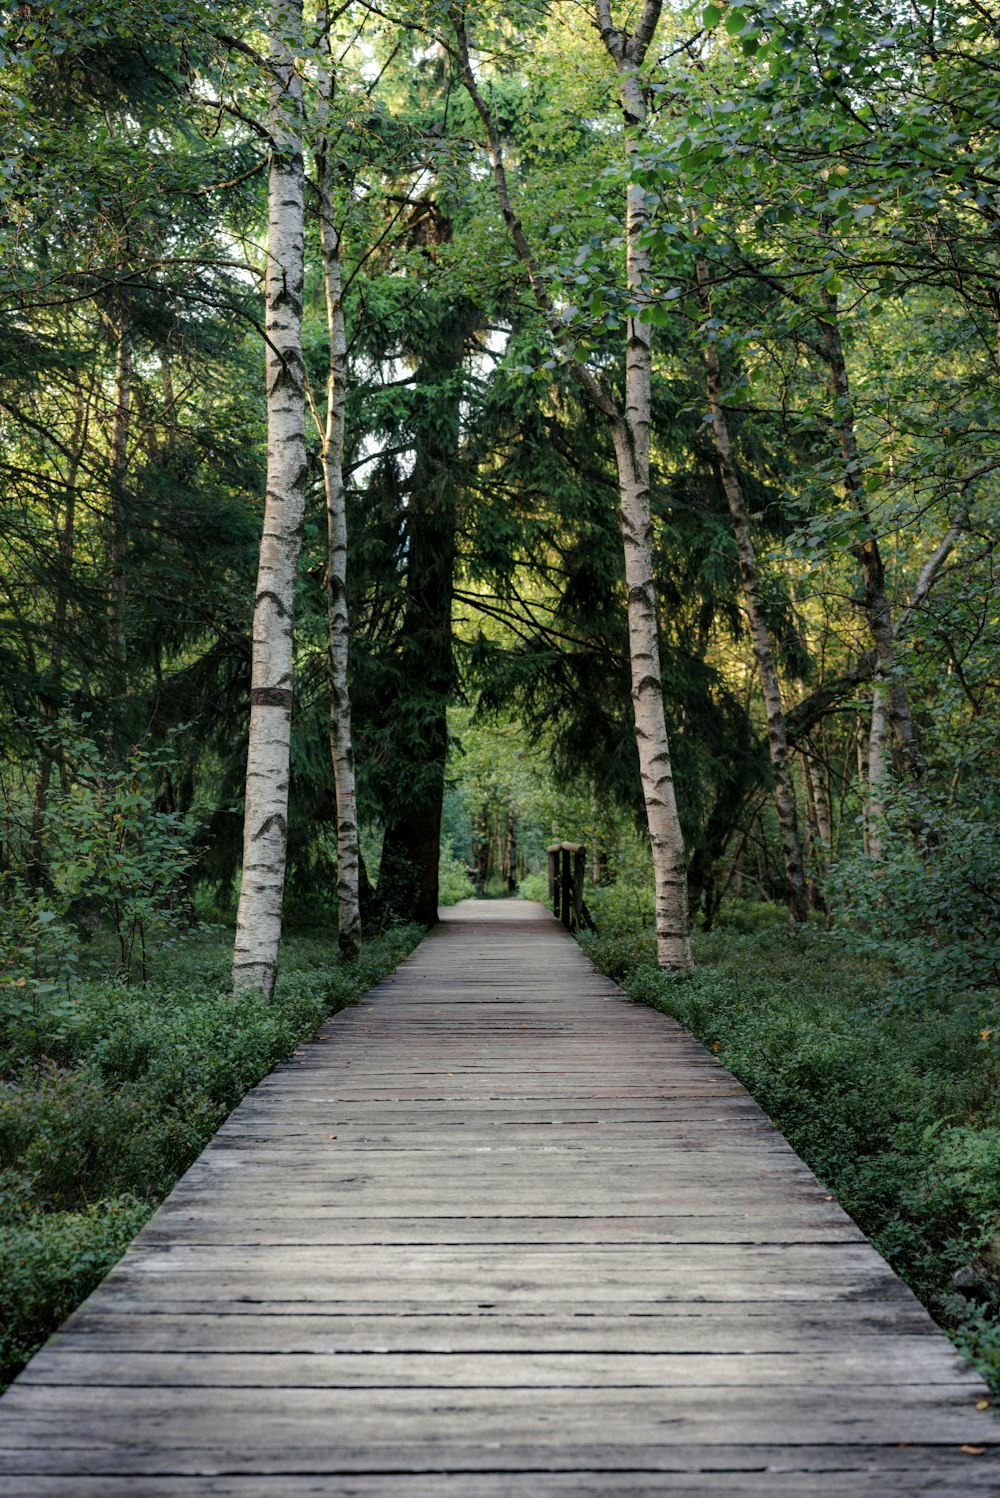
x=818, y=243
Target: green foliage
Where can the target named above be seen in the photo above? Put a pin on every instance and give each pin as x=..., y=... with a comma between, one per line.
x=932, y=901
x=39, y=950
x=454, y=883
x=49, y=1262
x=896, y=1110
x=534, y=887
x=99, y=1118
x=106, y=849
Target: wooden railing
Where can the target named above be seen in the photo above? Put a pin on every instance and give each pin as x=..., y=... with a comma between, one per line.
x=567, y=862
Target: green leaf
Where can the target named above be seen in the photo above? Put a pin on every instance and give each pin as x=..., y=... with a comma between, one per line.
x=711, y=16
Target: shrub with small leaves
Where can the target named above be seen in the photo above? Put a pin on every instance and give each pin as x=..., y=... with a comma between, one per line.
x=930, y=903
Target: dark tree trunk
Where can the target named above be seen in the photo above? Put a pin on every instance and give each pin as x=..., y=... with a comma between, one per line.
x=408, y=883
x=408, y=880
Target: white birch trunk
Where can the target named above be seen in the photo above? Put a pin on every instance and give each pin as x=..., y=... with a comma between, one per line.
x=631, y=436
x=767, y=670
x=877, y=772
x=338, y=627
x=265, y=827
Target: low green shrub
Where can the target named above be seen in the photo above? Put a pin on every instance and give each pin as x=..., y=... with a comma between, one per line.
x=931, y=903
x=106, y=852
x=454, y=883
x=534, y=887
x=49, y=1261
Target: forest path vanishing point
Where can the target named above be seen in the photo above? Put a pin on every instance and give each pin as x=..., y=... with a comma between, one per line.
x=498, y=1233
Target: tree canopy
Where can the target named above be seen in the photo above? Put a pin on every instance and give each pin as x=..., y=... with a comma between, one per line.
x=760, y=240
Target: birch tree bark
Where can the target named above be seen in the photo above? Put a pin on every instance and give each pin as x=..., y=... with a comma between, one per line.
x=265, y=827
x=878, y=769
x=338, y=626
x=777, y=739
x=630, y=430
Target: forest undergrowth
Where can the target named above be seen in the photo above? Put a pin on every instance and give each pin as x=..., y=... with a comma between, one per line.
x=893, y=1104
x=109, y=1094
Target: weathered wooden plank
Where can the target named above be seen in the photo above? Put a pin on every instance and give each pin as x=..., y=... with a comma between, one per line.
x=334, y=1230
x=905, y=1361
x=680, y=1328
x=237, y=1426
x=878, y=1471
x=658, y=1269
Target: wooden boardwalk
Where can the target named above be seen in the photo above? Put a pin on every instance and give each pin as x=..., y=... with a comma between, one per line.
x=498, y=1233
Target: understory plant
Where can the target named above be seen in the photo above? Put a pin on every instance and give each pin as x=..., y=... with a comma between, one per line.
x=107, y=850
x=930, y=904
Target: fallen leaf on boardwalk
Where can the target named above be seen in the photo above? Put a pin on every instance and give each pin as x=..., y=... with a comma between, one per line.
x=983, y=1404
x=973, y=1450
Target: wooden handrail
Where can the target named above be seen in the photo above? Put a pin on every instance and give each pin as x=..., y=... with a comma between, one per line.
x=567, y=862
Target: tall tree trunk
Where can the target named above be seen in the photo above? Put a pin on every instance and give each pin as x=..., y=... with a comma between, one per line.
x=265, y=828
x=52, y=754
x=777, y=740
x=630, y=429
x=817, y=845
x=118, y=519
x=408, y=877
x=878, y=770
x=878, y=759
x=338, y=627
x=631, y=433
x=862, y=741
x=866, y=551
x=510, y=850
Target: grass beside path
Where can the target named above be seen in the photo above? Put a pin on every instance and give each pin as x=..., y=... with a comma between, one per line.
x=896, y=1109
x=108, y=1096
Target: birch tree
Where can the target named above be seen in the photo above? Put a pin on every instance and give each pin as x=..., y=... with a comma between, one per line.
x=265, y=826
x=332, y=431
x=629, y=425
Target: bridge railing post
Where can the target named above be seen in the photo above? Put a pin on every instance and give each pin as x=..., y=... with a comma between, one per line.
x=567, y=866
x=554, y=899
x=566, y=887
x=579, y=871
